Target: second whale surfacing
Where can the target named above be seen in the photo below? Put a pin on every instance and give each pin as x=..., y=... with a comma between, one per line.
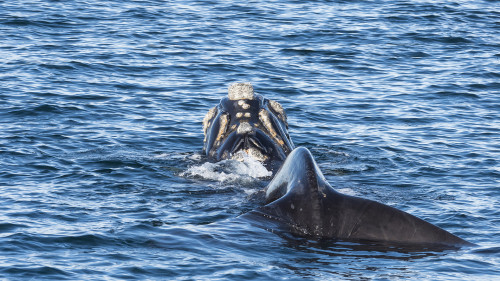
x=299, y=199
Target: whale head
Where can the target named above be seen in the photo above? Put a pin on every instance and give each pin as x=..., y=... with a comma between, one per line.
x=247, y=123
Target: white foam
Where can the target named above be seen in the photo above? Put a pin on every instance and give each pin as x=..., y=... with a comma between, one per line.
x=195, y=156
x=242, y=170
x=162, y=156
x=347, y=191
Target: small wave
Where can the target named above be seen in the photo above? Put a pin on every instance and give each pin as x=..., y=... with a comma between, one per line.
x=24, y=272
x=7, y=228
x=41, y=110
x=53, y=21
x=453, y=94
x=248, y=169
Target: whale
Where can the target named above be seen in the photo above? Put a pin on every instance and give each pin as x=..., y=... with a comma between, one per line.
x=301, y=201
x=298, y=199
x=245, y=123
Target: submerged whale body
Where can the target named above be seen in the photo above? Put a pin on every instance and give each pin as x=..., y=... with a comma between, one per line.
x=298, y=198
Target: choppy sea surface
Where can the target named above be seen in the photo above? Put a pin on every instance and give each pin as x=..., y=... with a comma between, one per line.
x=101, y=103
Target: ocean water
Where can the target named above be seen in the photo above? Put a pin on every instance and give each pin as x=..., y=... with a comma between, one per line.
x=101, y=103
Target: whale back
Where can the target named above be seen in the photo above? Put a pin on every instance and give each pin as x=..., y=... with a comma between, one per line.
x=300, y=199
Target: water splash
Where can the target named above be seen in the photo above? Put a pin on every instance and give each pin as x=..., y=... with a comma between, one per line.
x=347, y=191
x=245, y=169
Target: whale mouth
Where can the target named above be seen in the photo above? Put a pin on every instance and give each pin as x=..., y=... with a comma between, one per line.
x=245, y=122
x=251, y=147
x=257, y=145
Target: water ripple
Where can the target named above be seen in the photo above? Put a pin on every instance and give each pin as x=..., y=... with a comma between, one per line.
x=100, y=133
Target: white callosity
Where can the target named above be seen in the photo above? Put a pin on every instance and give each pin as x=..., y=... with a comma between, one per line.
x=276, y=106
x=265, y=119
x=241, y=114
x=207, y=120
x=224, y=122
x=243, y=104
x=244, y=128
x=241, y=91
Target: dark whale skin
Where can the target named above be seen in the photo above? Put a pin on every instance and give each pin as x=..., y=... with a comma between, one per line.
x=300, y=199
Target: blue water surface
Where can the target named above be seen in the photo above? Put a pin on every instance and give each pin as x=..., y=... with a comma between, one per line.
x=101, y=104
